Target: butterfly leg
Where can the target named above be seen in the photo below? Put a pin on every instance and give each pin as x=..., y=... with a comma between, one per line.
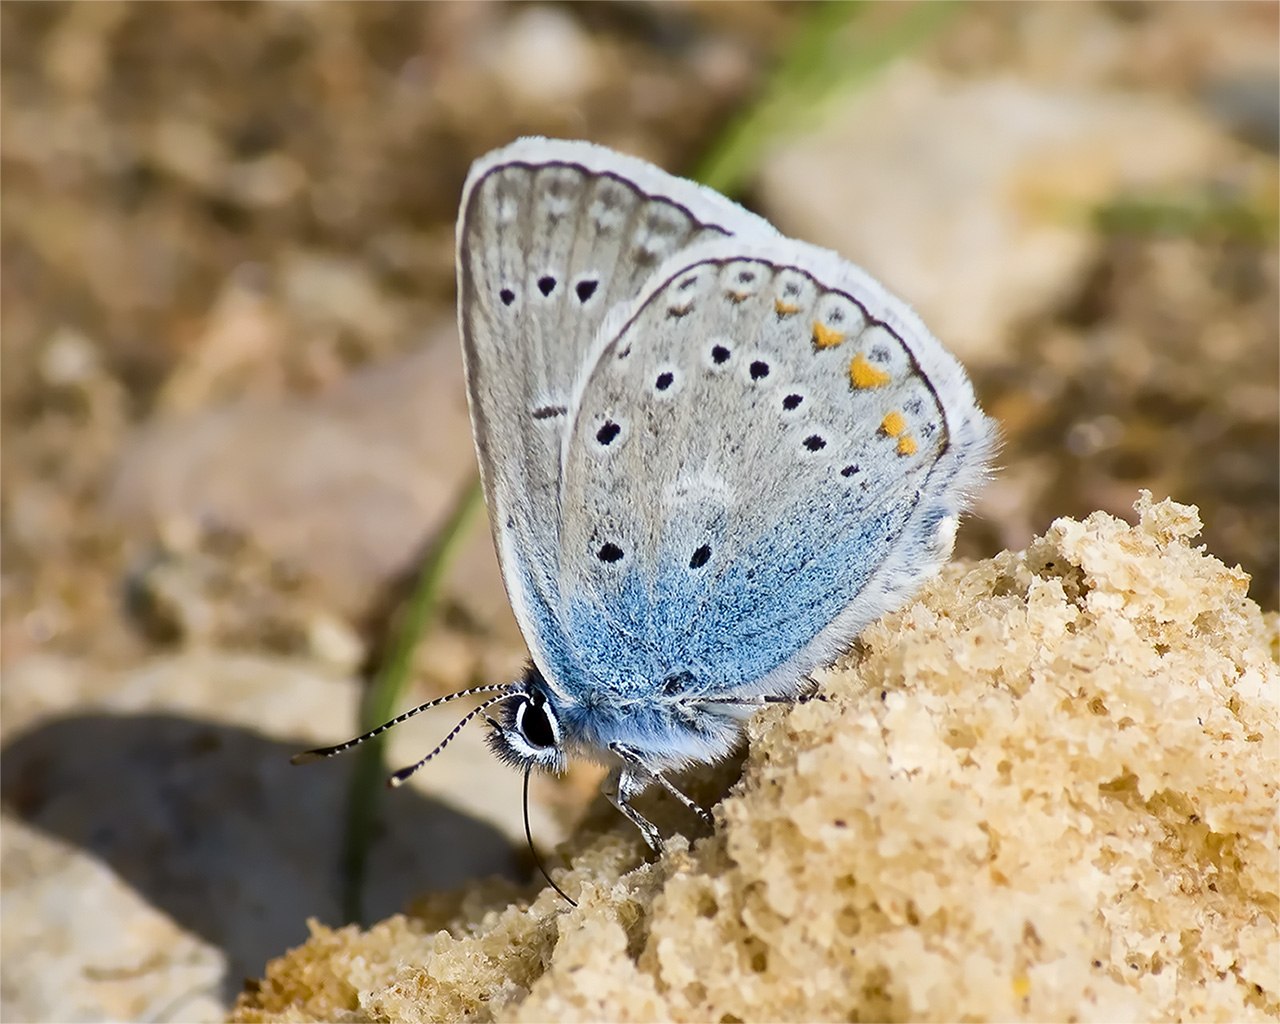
x=623, y=784
x=637, y=765
x=764, y=700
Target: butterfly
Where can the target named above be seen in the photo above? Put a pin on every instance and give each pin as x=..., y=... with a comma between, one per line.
x=712, y=455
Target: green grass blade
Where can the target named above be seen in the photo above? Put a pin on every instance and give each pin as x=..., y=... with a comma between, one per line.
x=369, y=776
x=839, y=47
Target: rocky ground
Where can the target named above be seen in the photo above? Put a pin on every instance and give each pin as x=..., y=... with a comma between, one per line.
x=233, y=413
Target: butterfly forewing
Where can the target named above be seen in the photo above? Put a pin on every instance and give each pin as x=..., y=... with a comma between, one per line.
x=551, y=236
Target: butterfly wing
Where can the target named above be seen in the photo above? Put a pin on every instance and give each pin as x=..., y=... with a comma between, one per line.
x=769, y=453
x=551, y=236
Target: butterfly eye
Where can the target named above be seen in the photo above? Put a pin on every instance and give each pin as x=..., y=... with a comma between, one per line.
x=535, y=724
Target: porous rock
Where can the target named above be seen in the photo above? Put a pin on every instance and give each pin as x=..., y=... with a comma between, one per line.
x=1044, y=790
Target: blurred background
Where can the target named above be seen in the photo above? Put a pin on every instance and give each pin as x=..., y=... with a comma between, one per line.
x=234, y=422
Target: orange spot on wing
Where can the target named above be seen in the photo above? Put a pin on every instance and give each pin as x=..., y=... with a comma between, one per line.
x=893, y=424
x=907, y=445
x=826, y=337
x=863, y=375
x=739, y=296
x=785, y=308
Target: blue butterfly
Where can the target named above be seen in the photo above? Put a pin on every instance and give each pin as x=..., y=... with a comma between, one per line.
x=712, y=455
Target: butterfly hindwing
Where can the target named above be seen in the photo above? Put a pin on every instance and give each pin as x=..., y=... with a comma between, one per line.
x=769, y=452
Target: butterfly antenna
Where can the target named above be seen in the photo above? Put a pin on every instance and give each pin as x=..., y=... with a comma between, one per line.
x=307, y=756
x=402, y=776
x=528, y=835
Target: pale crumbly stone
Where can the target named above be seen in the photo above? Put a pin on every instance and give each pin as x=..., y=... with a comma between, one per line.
x=1045, y=790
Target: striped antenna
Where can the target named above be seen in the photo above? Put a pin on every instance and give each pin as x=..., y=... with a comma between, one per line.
x=399, y=778
x=307, y=756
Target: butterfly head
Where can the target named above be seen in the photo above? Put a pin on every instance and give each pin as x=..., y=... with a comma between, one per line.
x=526, y=731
